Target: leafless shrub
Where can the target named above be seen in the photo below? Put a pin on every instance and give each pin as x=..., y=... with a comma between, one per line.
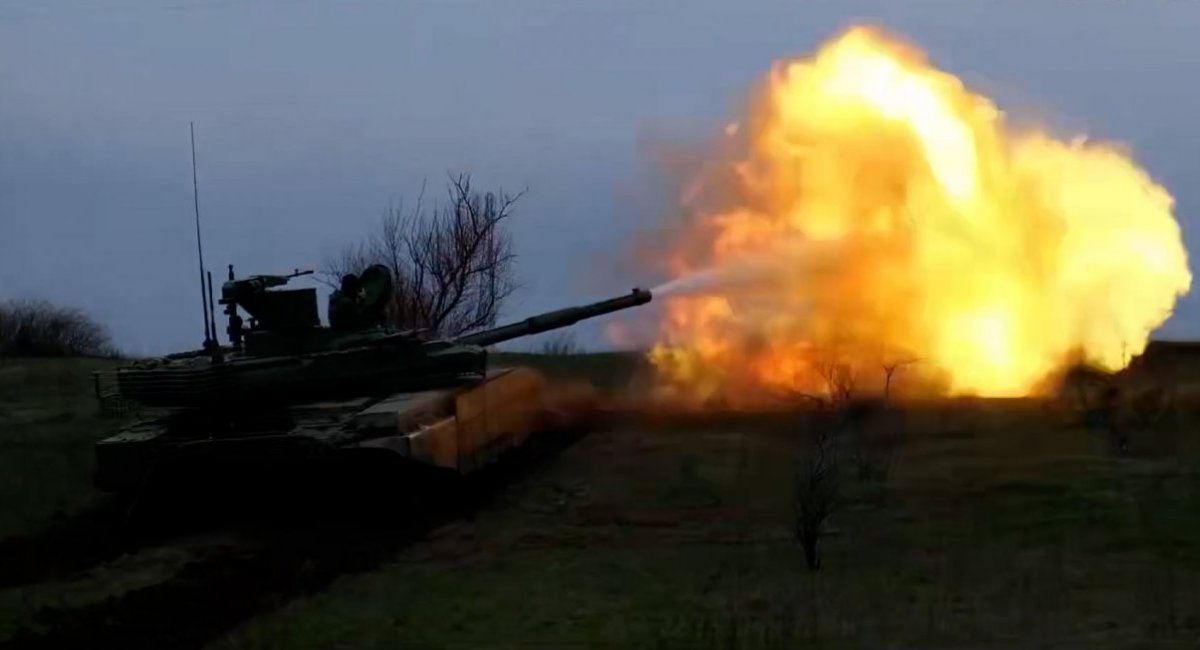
x=452, y=263
x=874, y=437
x=36, y=328
x=889, y=369
x=816, y=494
x=1152, y=405
x=561, y=344
x=1086, y=393
x=839, y=378
x=1104, y=416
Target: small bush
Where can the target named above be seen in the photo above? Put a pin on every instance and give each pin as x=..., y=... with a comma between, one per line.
x=36, y=328
x=1152, y=406
x=561, y=344
x=874, y=432
x=1086, y=395
x=815, y=494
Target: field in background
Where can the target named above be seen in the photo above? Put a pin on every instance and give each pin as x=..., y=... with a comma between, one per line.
x=48, y=422
x=993, y=530
x=998, y=526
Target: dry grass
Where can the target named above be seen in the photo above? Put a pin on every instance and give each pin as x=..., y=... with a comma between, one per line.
x=996, y=528
x=49, y=420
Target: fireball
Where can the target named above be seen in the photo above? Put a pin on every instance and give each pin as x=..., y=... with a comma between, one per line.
x=872, y=212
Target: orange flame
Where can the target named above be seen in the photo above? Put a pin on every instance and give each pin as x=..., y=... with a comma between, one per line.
x=876, y=212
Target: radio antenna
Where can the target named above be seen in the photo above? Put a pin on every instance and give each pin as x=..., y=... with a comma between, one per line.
x=212, y=309
x=209, y=335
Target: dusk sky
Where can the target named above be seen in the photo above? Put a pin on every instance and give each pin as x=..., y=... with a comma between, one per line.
x=312, y=115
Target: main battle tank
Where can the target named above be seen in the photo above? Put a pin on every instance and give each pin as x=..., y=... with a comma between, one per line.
x=286, y=388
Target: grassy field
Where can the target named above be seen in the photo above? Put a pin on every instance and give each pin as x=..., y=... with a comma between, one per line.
x=49, y=419
x=993, y=531
x=997, y=527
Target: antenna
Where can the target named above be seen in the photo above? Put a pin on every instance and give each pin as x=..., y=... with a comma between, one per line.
x=212, y=311
x=209, y=335
x=212, y=315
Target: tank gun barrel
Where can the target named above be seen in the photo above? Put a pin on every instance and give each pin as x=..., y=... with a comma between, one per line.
x=556, y=319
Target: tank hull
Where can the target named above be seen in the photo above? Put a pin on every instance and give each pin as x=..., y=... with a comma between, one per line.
x=454, y=430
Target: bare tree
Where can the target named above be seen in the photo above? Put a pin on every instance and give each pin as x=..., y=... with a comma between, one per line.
x=452, y=263
x=889, y=368
x=815, y=496
x=839, y=378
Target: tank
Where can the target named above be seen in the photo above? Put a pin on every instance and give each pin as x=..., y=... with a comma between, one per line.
x=288, y=388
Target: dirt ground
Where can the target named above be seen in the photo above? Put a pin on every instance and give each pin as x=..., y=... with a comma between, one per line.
x=998, y=525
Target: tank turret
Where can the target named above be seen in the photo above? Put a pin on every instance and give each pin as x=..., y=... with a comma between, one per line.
x=287, y=356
